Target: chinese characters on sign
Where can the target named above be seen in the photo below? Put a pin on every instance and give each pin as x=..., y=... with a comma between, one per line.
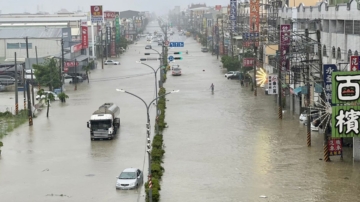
x=249, y=39
x=328, y=70
x=354, y=63
x=345, y=97
x=272, y=84
x=335, y=147
x=110, y=15
x=117, y=32
x=248, y=62
x=254, y=15
x=84, y=35
x=233, y=14
x=96, y=14
x=284, y=46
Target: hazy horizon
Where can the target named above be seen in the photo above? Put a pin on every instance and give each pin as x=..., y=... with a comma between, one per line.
x=157, y=6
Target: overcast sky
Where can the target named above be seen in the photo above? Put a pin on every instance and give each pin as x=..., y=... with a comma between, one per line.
x=158, y=6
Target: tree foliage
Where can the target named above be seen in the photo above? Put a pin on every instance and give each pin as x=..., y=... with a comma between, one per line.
x=123, y=42
x=47, y=97
x=87, y=68
x=230, y=63
x=48, y=73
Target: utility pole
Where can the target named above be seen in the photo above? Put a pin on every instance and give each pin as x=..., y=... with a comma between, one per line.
x=231, y=43
x=106, y=39
x=101, y=49
x=217, y=38
x=29, y=105
x=77, y=79
x=323, y=97
x=255, y=63
x=16, y=88
x=223, y=37
x=279, y=85
x=308, y=123
x=62, y=63
x=31, y=69
x=24, y=83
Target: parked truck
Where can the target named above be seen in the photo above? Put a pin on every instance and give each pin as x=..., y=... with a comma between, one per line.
x=104, y=122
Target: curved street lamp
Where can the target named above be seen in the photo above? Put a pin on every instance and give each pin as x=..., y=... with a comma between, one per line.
x=148, y=126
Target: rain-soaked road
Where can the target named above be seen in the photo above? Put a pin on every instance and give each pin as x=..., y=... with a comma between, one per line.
x=226, y=146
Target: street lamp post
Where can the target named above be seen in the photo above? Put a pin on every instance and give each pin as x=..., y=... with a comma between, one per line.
x=156, y=89
x=148, y=131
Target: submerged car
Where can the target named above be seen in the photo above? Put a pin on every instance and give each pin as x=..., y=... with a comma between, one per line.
x=176, y=71
x=130, y=178
x=43, y=96
x=111, y=62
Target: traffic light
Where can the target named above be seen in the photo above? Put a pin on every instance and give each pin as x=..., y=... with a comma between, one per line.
x=177, y=53
x=142, y=59
x=147, y=54
x=178, y=58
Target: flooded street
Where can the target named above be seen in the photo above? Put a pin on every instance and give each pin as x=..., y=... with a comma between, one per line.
x=221, y=147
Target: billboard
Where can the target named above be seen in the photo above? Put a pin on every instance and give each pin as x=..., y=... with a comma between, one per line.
x=110, y=15
x=117, y=31
x=328, y=70
x=273, y=84
x=96, y=14
x=345, y=99
x=354, y=63
x=285, y=40
x=248, y=62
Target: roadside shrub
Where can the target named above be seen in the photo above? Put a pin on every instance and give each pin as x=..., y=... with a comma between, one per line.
x=157, y=141
x=157, y=170
x=157, y=155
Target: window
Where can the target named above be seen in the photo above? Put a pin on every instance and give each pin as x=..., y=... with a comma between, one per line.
x=356, y=53
x=18, y=45
x=333, y=52
x=338, y=54
x=324, y=51
x=349, y=55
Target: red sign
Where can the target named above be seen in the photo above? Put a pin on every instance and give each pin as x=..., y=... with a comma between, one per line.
x=76, y=48
x=250, y=43
x=248, y=62
x=218, y=7
x=84, y=36
x=96, y=11
x=254, y=15
x=110, y=15
x=70, y=64
x=335, y=147
x=354, y=63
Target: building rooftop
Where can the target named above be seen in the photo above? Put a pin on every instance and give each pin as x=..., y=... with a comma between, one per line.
x=31, y=32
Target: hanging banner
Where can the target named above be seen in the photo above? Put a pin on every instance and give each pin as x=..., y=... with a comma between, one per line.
x=354, y=63
x=84, y=35
x=254, y=16
x=112, y=48
x=328, y=70
x=285, y=40
x=96, y=14
x=218, y=7
x=232, y=15
x=273, y=84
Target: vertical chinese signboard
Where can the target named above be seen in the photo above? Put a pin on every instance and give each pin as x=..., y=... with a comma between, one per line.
x=284, y=46
x=84, y=35
x=354, y=63
x=117, y=31
x=96, y=14
x=233, y=14
x=345, y=97
x=254, y=15
x=272, y=84
x=328, y=70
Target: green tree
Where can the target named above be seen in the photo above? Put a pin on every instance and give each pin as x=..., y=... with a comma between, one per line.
x=230, y=63
x=123, y=42
x=203, y=40
x=87, y=69
x=48, y=73
x=47, y=97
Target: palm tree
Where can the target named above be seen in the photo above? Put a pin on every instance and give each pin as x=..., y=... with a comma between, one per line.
x=47, y=97
x=87, y=69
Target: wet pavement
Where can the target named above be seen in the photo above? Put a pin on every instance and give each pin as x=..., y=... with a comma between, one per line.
x=226, y=146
